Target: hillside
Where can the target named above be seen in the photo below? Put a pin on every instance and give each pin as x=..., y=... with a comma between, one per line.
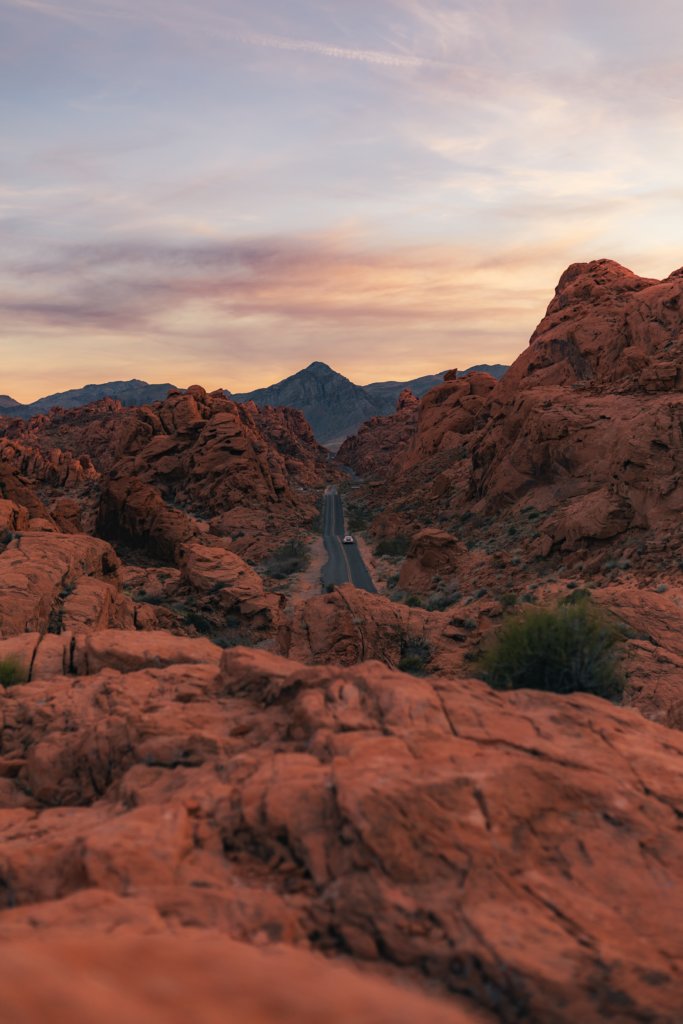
x=334, y=406
x=129, y=392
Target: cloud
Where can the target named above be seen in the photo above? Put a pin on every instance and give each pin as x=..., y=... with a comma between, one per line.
x=183, y=19
x=221, y=313
x=395, y=60
x=306, y=279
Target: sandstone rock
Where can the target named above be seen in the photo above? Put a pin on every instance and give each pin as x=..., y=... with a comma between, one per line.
x=432, y=552
x=570, y=465
x=12, y=516
x=38, y=572
x=203, y=978
x=416, y=823
x=350, y=626
x=233, y=584
x=129, y=651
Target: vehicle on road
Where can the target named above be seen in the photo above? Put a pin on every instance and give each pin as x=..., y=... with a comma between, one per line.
x=348, y=539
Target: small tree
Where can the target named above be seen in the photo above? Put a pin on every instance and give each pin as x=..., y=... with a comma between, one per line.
x=572, y=647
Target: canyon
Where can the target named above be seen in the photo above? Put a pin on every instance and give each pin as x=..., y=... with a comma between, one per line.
x=201, y=758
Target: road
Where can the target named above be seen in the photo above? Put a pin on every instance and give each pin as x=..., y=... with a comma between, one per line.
x=345, y=563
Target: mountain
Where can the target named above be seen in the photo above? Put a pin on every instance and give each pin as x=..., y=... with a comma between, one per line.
x=334, y=406
x=331, y=403
x=7, y=405
x=129, y=392
x=385, y=394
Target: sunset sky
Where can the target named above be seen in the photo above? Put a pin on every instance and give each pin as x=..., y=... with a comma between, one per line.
x=221, y=191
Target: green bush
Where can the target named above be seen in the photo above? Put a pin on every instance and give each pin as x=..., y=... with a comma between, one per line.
x=394, y=546
x=572, y=647
x=11, y=672
x=292, y=557
x=415, y=655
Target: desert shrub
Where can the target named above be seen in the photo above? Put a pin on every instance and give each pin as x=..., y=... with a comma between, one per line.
x=572, y=647
x=443, y=599
x=413, y=601
x=415, y=656
x=576, y=594
x=358, y=518
x=6, y=538
x=11, y=672
x=199, y=621
x=508, y=601
x=395, y=546
x=155, y=599
x=292, y=557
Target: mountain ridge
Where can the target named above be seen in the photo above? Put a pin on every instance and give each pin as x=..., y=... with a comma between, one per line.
x=129, y=392
x=334, y=406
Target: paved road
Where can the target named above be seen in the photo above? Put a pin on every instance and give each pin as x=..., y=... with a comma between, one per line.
x=345, y=564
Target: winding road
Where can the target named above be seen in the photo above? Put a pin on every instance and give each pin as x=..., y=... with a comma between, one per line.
x=345, y=563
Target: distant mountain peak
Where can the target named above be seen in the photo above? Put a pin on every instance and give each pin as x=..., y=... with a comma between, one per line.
x=317, y=367
x=128, y=392
x=334, y=406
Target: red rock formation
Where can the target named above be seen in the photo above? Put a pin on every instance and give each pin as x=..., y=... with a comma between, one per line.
x=584, y=430
x=520, y=849
x=374, y=447
x=167, y=470
x=195, y=482
x=204, y=458
x=349, y=626
x=144, y=978
x=54, y=582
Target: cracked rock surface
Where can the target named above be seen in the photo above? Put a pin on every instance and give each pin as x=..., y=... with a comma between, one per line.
x=521, y=851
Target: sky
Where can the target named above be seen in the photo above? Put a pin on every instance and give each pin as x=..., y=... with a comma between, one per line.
x=222, y=191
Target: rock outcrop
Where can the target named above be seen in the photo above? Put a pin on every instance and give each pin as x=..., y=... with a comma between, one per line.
x=420, y=825
x=144, y=978
x=51, y=582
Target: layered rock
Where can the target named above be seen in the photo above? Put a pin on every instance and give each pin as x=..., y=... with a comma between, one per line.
x=374, y=447
x=171, y=979
x=51, y=582
x=349, y=626
x=574, y=457
x=413, y=824
x=203, y=463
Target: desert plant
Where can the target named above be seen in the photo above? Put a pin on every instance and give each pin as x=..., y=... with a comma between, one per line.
x=394, y=546
x=571, y=647
x=358, y=518
x=290, y=558
x=11, y=672
x=443, y=599
x=415, y=656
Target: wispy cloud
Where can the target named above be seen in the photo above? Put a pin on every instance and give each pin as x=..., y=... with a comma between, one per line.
x=183, y=18
x=395, y=60
x=238, y=314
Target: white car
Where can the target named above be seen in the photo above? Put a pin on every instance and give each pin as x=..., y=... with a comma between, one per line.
x=348, y=539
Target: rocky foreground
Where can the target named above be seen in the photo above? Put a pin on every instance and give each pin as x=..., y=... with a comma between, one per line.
x=522, y=851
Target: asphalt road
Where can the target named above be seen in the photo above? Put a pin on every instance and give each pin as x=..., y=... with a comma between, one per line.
x=345, y=563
